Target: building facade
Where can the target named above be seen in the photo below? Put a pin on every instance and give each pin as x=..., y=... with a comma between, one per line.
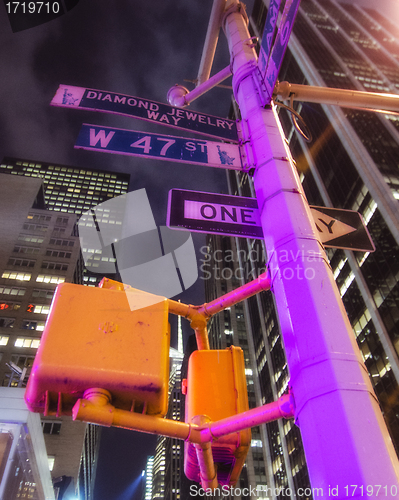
x=174, y=447
x=168, y=471
x=39, y=250
x=40, y=204
x=148, y=475
x=24, y=469
x=72, y=190
x=69, y=189
x=352, y=163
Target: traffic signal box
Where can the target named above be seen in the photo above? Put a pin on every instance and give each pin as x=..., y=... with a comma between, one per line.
x=217, y=388
x=93, y=339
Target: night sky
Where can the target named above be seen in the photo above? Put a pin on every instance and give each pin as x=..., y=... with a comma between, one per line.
x=129, y=47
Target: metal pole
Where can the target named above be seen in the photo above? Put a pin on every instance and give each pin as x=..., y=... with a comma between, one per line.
x=199, y=315
x=345, y=438
x=282, y=408
x=211, y=41
x=338, y=97
x=179, y=96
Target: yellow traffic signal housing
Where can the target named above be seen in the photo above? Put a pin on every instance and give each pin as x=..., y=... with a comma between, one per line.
x=217, y=388
x=93, y=339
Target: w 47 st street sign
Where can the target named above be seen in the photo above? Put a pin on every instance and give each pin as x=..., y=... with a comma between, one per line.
x=161, y=147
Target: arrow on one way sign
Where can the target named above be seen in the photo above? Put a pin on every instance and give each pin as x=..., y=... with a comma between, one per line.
x=329, y=227
x=340, y=228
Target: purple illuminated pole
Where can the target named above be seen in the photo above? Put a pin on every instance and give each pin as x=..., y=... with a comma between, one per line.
x=347, y=445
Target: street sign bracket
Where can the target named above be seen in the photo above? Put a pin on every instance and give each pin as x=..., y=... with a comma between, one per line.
x=247, y=159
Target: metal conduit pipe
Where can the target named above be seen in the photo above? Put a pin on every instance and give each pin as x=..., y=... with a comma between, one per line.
x=201, y=335
x=199, y=315
x=339, y=97
x=206, y=465
x=96, y=408
x=197, y=320
x=211, y=40
x=179, y=96
x=262, y=282
x=179, y=308
x=282, y=408
x=205, y=458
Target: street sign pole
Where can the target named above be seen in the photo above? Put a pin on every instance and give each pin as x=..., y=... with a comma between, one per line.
x=346, y=442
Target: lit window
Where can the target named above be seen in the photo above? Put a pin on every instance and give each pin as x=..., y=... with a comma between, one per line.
x=43, y=278
x=27, y=342
x=9, y=306
x=51, y=460
x=8, y=290
x=347, y=283
x=29, y=238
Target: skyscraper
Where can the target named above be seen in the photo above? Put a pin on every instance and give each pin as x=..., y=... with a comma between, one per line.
x=71, y=190
x=174, y=447
x=147, y=492
x=168, y=457
x=41, y=249
x=352, y=163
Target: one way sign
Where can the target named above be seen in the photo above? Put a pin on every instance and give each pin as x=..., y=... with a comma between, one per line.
x=238, y=216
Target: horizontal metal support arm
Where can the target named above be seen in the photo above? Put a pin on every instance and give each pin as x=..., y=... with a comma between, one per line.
x=282, y=408
x=179, y=96
x=339, y=97
x=199, y=315
x=261, y=283
x=96, y=408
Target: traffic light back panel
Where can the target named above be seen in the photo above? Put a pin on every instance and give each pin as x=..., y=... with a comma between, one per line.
x=217, y=389
x=93, y=339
